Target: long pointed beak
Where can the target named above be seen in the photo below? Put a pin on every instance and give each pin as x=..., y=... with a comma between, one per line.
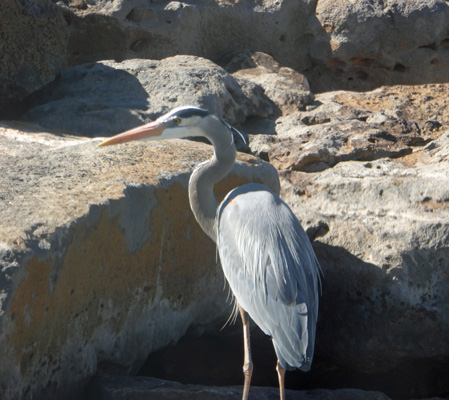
x=141, y=132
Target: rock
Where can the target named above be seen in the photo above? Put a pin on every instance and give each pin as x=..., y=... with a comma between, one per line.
x=110, y=387
x=106, y=98
x=345, y=126
x=349, y=45
x=285, y=87
x=33, y=39
x=383, y=228
x=350, y=165
x=122, y=30
x=362, y=45
x=384, y=253
x=366, y=174
x=101, y=260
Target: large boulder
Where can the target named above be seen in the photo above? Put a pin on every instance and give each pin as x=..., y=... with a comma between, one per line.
x=33, y=40
x=107, y=97
x=101, y=259
x=364, y=44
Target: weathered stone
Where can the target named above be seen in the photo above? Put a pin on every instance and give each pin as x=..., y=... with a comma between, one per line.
x=134, y=29
x=343, y=126
x=288, y=89
x=33, y=38
x=368, y=176
x=108, y=97
x=363, y=44
x=110, y=387
x=345, y=45
x=384, y=252
x=101, y=260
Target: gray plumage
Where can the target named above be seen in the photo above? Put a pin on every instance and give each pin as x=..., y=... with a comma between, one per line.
x=272, y=270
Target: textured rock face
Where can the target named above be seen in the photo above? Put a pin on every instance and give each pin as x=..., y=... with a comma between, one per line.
x=364, y=44
x=108, y=97
x=287, y=89
x=344, y=45
x=338, y=45
x=33, y=39
x=385, y=256
x=210, y=29
x=101, y=259
x=367, y=174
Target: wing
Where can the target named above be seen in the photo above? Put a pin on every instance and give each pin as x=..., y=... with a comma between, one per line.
x=272, y=269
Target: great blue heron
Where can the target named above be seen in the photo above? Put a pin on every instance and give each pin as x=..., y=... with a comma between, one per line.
x=265, y=254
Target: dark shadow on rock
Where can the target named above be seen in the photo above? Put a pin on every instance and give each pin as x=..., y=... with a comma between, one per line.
x=345, y=317
x=90, y=100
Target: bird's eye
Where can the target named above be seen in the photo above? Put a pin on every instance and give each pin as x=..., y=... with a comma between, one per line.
x=176, y=121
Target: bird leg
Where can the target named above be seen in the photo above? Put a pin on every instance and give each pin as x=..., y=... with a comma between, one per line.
x=248, y=362
x=281, y=376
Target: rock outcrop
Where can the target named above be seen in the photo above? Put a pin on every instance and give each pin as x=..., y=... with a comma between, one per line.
x=368, y=175
x=359, y=45
x=364, y=172
x=108, y=97
x=211, y=29
x=337, y=45
x=101, y=259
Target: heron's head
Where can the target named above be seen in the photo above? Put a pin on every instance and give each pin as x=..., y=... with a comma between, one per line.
x=179, y=123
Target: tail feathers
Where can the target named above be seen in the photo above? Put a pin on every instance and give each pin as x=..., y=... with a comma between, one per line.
x=291, y=340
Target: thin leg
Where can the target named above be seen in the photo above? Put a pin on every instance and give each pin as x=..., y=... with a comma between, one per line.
x=281, y=376
x=248, y=362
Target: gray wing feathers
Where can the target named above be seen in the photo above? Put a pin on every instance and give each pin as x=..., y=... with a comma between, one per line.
x=273, y=272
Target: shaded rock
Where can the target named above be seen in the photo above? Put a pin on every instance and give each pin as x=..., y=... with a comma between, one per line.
x=155, y=30
x=215, y=359
x=364, y=44
x=108, y=97
x=101, y=260
x=349, y=45
x=110, y=387
x=33, y=38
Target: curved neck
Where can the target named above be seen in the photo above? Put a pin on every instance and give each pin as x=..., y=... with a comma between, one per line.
x=201, y=185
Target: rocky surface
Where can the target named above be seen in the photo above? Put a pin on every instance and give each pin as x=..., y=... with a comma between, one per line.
x=33, y=41
x=365, y=44
x=108, y=97
x=212, y=29
x=345, y=45
x=367, y=173
x=349, y=45
x=101, y=260
x=343, y=126
x=112, y=387
x=386, y=230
